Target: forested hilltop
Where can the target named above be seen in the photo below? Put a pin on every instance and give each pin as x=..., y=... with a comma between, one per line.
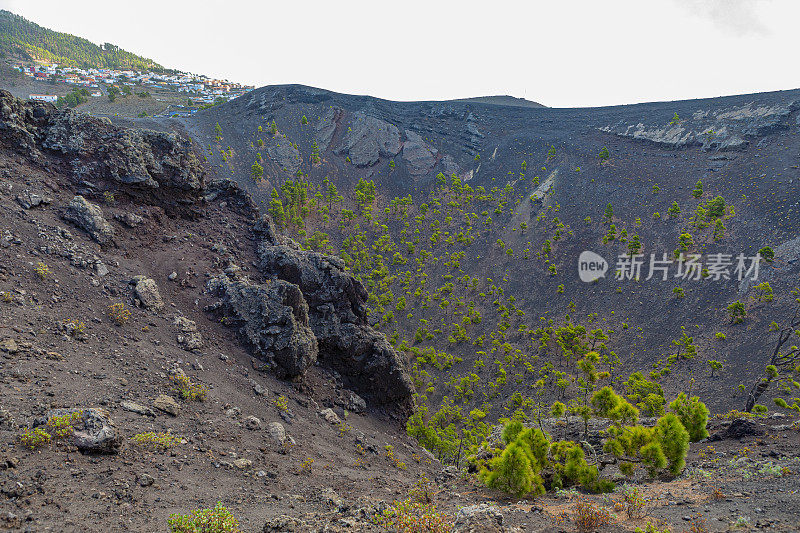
x=21, y=38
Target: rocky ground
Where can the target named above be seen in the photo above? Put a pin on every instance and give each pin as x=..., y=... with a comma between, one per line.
x=300, y=425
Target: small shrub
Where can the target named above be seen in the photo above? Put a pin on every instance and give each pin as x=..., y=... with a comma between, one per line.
x=423, y=491
x=108, y=197
x=6, y=297
x=119, y=314
x=74, y=328
x=400, y=465
x=737, y=312
x=281, y=403
x=34, y=438
x=188, y=389
x=61, y=427
x=214, y=520
x=698, y=525
x=634, y=502
x=42, y=270
x=589, y=516
x=652, y=528
x=162, y=440
x=305, y=466
x=409, y=516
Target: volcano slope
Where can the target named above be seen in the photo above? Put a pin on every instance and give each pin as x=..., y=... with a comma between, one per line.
x=531, y=194
x=178, y=403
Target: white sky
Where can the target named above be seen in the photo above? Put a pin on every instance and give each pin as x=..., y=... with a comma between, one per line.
x=561, y=53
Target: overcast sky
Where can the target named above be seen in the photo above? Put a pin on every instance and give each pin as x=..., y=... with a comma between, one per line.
x=561, y=53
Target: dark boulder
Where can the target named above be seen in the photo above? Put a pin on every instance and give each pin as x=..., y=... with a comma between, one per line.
x=338, y=317
x=273, y=318
x=739, y=428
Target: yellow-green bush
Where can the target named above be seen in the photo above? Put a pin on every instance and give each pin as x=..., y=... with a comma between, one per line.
x=409, y=516
x=214, y=520
x=189, y=390
x=34, y=438
x=162, y=440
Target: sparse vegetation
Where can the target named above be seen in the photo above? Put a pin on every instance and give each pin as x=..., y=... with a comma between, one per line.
x=214, y=520
x=119, y=314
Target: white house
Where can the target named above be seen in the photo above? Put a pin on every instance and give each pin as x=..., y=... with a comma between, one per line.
x=44, y=98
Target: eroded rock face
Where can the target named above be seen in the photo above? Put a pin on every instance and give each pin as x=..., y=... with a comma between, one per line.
x=89, y=217
x=159, y=167
x=720, y=130
x=326, y=127
x=133, y=157
x=93, y=431
x=338, y=318
x=368, y=138
x=420, y=158
x=273, y=318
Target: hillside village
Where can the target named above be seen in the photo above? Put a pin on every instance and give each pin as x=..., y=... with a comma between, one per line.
x=200, y=89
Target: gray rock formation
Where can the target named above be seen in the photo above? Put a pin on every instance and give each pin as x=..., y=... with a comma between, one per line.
x=29, y=200
x=338, y=318
x=128, y=156
x=89, y=217
x=188, y=337
x=146, y=291
x=159, y=167
x=480, y=518
x=718, y=130
x=368, y=138
x=419, y=157
x=326, y=127
x=273, y=318
x=92, y=432
x=167, y=404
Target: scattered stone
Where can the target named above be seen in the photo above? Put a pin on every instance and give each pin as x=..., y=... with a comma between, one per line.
x=352, y=402
x=285, y=524
x=738, y=429
x=260, y=390
x=101, y=269
x=479, y=518
x=145, y=480
x=6, y=418
x=252, y=423
x=172, y=276
x=276, y=431
x=147, y=294
x=242, y=463
x=330, y=416
x=9, y=345
x=189, y=338
x=139, y=409
x=89, y=217
x=330, y=498
x=130, y=220
x=29, y=200
x=167, y=404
